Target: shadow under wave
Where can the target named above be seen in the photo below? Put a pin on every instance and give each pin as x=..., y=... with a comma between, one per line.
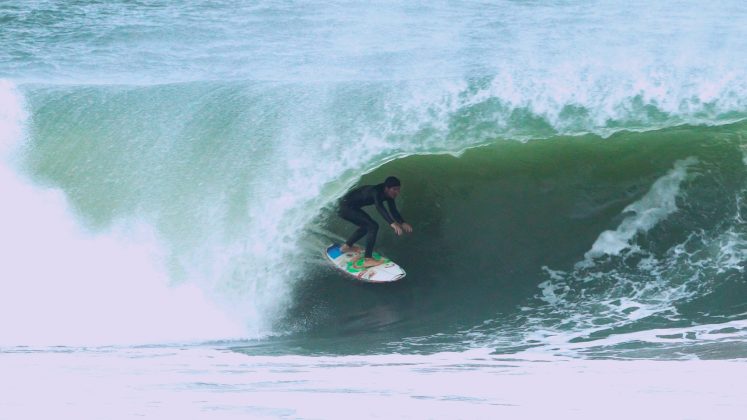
x=488, y=223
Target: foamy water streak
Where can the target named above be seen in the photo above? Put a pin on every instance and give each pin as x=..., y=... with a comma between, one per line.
x=622, y=282
x=644, y=214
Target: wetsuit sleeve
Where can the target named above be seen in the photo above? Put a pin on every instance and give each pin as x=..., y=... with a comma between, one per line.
x=379, y=201
x=395, y=213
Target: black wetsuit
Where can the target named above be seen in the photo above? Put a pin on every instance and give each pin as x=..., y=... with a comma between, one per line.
x=350, y=210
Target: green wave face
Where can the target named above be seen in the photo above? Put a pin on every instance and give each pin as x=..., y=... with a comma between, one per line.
x=585, y=236
x=574, y=172
x=237, y=180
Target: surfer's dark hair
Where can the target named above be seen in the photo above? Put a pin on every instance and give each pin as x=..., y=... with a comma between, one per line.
x=392, y=182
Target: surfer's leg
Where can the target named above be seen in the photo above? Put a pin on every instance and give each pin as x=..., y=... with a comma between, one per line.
x=366, y=227
x=359, y=218
x=371, y=229
x=355, y=237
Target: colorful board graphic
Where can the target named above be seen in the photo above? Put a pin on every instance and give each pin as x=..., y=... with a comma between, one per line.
x=351, y=263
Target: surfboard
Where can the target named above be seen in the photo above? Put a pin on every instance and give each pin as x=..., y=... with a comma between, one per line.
x=351, y=263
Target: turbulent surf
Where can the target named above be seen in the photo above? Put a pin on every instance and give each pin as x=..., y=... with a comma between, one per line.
x=577, y=187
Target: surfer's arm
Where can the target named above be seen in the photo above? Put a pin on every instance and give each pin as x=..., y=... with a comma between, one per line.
x=382, y=211
x=404, y=226
x=393, y=210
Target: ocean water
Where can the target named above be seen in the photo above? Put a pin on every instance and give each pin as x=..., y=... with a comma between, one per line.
x=575, y=172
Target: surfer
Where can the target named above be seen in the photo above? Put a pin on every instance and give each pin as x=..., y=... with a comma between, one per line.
x=350, y=210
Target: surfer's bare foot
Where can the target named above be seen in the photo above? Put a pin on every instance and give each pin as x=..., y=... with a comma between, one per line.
x=345, y=248
x=370, y=262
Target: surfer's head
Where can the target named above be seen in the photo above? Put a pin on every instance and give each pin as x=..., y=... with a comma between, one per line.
x=392, y=187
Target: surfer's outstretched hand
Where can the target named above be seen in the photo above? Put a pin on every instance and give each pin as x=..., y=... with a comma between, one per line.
x=400, y=228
